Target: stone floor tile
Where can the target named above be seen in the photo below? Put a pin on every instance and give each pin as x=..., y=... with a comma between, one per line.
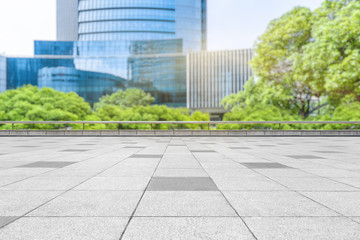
x=291, y=228
x=264, y=165
x=346, y=203
x=248, y=183
x=91, y=204
x=180, y=172
x=47, y=165
x=6, y=220
x=214, y=228
x=45, y=183
x=18, y=203
x=276, y=204
x=176, y=204
x=69, y=228
x=115, y=184
x=182, y=184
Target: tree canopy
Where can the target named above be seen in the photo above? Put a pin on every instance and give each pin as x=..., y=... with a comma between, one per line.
x=129, y=98
x=307, y=63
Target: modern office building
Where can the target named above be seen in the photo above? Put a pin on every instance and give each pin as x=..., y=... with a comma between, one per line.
x=2, y=74
x=131, y=20
x=67, y=20
x=211, y=76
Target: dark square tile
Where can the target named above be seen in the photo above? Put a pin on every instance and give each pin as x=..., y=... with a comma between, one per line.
x=145, y=156
x=6, y=220
x=240, y=148
x=75, y=150
x=202, y=151
x=46, y=165
x=263, y=165
x=182, y=184
x=304, y=157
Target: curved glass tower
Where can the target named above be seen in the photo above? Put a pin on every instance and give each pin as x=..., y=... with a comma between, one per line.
x=132, y=20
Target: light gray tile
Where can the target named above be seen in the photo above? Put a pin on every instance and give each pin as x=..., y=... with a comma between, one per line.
x=304, y=157
x=275, y=204
x=45, y=183
x=239, y=148
x=91, y=203
x=75, y=150
x=182, y=184
x=6, y=220
x=184, y=204
x=247, y=183
x=68, y=228
x=188, y=228
x=291, y=228
x=203, y=151
x=115, y=184
x=146, y=156
x=18, y=203
x=263, y=165
x=346, y=203
x=180, y=172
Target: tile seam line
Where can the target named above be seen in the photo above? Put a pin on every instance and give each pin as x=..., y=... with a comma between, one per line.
x=242, y=220
x=63, y=192
x=143, y=194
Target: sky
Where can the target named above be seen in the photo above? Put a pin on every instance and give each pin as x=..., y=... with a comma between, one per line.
x=232, y=24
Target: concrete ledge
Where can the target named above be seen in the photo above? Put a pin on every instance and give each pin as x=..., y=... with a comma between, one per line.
x=215, y=133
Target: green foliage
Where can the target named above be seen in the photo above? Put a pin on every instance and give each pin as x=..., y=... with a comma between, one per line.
x=306, y=65
x=149, y=113
x=29, y=103
x=129, y=98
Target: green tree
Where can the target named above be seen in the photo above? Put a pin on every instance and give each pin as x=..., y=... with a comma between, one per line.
x=128, y=98
x=29, y=103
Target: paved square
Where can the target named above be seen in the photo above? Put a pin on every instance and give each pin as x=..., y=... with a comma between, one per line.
x=183, y=188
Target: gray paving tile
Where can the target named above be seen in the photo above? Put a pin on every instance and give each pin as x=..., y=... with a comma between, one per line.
x=264, y=165
x=45, y=183
x=146, y=156
x=266, y=145
x=18, y=203
x=304, y=157
x=187, y=228
x=69, y=228
x=346, y=203
x=179, y=172
x=182, y=184
x=134, y=147
x=292, y=228
x=46, y=165
x=247, y=183
x=203, y=151
x=75, y=150
x=275, y=204
x=312, y=184
x=91, y=204
x=185, y=204
x=239, y=148
x=27, y=146
x=86, y=144
x=115, y=184
x=6, y=220
x=328, y=152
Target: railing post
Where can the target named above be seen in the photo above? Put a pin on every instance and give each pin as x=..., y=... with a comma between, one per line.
x=151, y=126
x=208, y=126
x=83, y=126
x=12, y=126
x=279, y=126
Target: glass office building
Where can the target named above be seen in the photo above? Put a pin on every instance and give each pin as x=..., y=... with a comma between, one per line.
x=2, y=74
x=95, y=68
x=118, y=44
x=211, y=76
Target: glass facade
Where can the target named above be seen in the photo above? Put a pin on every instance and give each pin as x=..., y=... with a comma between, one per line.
x=121, y=43
x=95, y=68
x=132, y=20
x=211, y=76
x=2, y=74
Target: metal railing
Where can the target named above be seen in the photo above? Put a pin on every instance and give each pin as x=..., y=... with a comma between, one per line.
x=151, y=123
